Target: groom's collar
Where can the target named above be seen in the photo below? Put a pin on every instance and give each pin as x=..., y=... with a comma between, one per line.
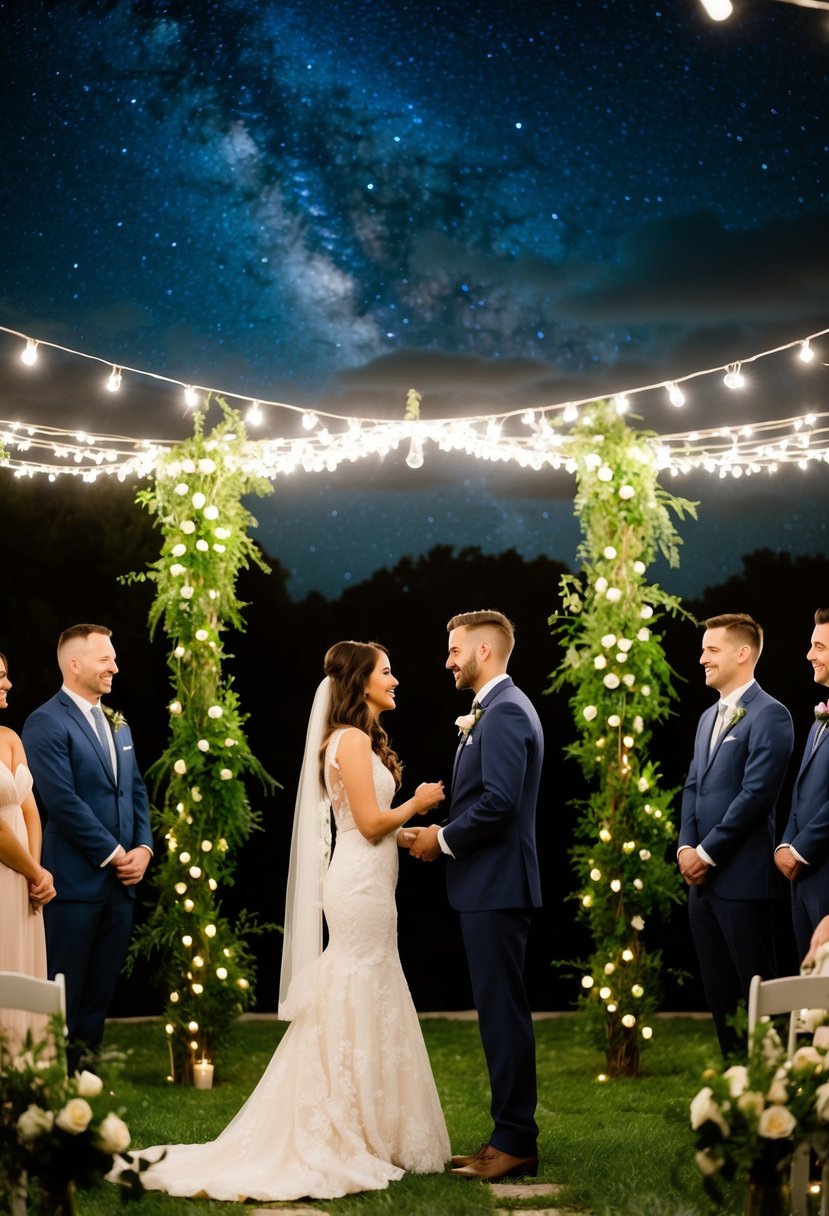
x=488, y=687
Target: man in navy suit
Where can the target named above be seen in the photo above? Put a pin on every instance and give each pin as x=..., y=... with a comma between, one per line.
x=492, y=878
x=727, y=833
x=97, y=839
x=803, y=852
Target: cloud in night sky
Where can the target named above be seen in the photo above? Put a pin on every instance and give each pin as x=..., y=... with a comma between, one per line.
x=330, y=203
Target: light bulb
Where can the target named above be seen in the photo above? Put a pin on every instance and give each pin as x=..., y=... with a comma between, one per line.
x=733, y=378
x=571, y=413
x=309, y=421
x=415, y=457
x=254, y=414
x=675, y=395
x=191, y=397
x=806, y=352
x=114, y=381
x=621, y=402
x=718, y=10
x=29, y=355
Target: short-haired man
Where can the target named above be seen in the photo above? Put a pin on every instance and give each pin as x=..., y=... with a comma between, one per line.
x=803, y=852
x=741, y=753
x=97, y=839
x=492, y=878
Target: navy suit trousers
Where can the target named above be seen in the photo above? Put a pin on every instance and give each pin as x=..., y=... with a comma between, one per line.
x=495, y=943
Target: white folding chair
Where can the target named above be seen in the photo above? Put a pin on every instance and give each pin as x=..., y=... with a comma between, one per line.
x=26, y=992
x=792, y=994
x=19, y=991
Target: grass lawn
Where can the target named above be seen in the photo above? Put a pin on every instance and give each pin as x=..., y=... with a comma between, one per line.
x=622, y=1148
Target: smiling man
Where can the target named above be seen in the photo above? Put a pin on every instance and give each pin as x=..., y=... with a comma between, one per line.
x=803, y=852
x=741, y=752
x=97, y=836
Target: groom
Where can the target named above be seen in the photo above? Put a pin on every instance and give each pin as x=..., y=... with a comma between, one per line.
x=492, y=878
x=97, y=839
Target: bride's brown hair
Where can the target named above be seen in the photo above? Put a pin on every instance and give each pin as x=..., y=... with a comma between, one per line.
x=348, y=666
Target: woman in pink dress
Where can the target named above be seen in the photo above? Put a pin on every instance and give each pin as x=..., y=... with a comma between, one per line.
x=24, y=884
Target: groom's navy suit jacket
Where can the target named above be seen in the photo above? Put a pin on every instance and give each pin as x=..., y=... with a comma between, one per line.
x=729, y=799
x=88, y=811
x=491, y=828
x=808, y=827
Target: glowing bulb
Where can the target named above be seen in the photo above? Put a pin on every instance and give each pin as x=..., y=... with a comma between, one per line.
x=647, y=1032
x=209, y=930
x=187, y=940
x=806, y=353
x=571, y=414
x=415, y=457
x=675, y=395
x=254, y=415
x=587, y=981
x=733, y=378
x=114, y=381
x=221, y=973
x=191, y=397
x=309, y=421
x=29, y=355
x=621, y=402
x=718, y=10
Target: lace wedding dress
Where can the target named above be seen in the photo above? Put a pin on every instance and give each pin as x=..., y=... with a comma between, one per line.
x=348, y=1102
x=22, y=939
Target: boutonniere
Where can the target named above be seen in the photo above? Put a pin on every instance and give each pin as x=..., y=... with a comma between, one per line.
x=116, y=718
x=466, y=723
x=738, y=715
x=822, y=711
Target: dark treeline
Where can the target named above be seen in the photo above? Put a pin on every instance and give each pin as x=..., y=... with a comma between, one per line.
x=65, y=546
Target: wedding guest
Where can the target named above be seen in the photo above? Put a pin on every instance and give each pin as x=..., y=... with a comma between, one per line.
x=803, y=853
x=492, y=879
x=741, y=752
x=97, y=839
x=25, y=885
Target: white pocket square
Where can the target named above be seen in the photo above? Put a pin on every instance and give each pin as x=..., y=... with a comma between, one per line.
x=126, y=747
x=730, y=739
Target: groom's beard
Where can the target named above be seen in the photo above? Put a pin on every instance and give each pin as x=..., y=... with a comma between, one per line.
x=467, y=675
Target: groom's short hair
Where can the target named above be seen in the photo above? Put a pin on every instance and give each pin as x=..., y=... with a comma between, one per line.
x=487, y=618
x=741, y=628
x=80, y=631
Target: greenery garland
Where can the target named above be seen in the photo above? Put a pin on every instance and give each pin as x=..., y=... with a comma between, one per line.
x=203, y=814
x=615, y=662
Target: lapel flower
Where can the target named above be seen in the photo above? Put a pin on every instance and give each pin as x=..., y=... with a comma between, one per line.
x=466, y=723
x=738, y=715
x=822, y=711
x=116, y=718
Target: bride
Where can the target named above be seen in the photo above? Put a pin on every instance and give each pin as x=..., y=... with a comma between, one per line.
x=348, y=1102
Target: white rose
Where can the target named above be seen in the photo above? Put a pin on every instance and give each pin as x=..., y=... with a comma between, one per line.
x=75, y=1116
x=202, y=545
x=643, y=785
x=180, y=767
x=646, y=690
x=187, y=526
x=176, y=569
x=215, y=711
x=626, y=491
x=629, y=679
x=198, y=500
x=203, y=745
x=614, y=720
x=605, y=473
x=737, y=1078
x=778, y=1092
x=206, y=465
x=179, y=550
x=219, y=548
x=637, y=923
x=34, y=1122
x=810, y=1019
x=613, y=595
x=609, y=552
x=705, y=1110
x=821, y=1035
x=625, y=644
x=822, y=1102
x=202, y=635
x=211, y=512
x=601, y=585
x=646, y=612
x=609, y=640
x=599, y=662
x=807, y=1058
x=590, y=712
x=225, y=774
x=88, y=1084
x=638, y=724
x=181, y=489
x=186, y=592
x=113, y=1134
x=188, y=466
x=611, y=680
x=707, y=1163
x=222, y=533
x=639, y=567
x=751, y=1103
x=643, y=634
x=776, y=1123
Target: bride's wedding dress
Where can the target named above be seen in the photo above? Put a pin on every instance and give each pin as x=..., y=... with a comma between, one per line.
x=348, y=1102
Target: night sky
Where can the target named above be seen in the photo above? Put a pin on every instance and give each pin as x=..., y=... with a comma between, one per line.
x=503, y=206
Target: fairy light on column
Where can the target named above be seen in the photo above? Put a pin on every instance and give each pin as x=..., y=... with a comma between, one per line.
x=204, y=813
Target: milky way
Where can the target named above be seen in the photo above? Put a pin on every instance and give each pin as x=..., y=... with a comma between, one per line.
x=293, y=198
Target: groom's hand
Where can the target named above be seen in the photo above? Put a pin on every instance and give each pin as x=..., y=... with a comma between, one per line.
x=426, y=846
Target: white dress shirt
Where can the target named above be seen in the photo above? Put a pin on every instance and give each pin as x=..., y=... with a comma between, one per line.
x=479, y=696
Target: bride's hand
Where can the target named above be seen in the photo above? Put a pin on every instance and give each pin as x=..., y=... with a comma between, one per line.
x=428, y=795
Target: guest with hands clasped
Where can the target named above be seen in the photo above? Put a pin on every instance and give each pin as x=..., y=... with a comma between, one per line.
x=803, y=853
x=492, y=878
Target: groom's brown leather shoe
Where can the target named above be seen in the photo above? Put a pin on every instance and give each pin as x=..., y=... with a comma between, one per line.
x=458, y=1161
x=492, y=1165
